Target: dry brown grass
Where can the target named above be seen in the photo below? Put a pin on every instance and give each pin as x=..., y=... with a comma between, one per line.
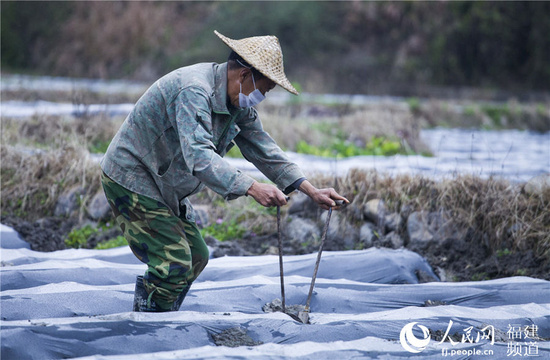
x=43, y=156
x=33, y=181
x=478, y=114
x=53, y=132
x=76, y=97
x=499, y=213
x=358, y=124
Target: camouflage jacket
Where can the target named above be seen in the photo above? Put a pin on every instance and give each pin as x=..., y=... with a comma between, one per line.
x=174, y=140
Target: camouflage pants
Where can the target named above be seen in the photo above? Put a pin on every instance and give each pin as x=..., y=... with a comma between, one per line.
x=171, y=246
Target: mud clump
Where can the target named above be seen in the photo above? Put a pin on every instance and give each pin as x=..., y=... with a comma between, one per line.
x=277, y=306
x=234, y=337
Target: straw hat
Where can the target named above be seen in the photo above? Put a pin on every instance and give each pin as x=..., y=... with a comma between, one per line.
x=264, y=54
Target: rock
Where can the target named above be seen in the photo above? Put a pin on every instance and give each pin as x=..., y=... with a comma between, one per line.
x=372, y=209
x=265, y=244
x=99, y=208
x=442, y=274
x=302, y=231
x=229, y=248
x=418, y=229
x=301, y=205
x=69, y=201
x=367, y=235
x=425, y=228
x=211, y=241
x=405, y=211
x=354, y=213
x=424, y=277
x=375, y=211
x=539, y=185
x=395, y=240
x=392, y=222
x=224, y=248
x=335, y=238
x=340, y=235
x=272, y=250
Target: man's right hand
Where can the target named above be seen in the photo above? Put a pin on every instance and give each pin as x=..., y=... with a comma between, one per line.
x=267, y=195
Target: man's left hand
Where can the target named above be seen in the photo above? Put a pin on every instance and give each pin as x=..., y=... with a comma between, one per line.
x=325, y=198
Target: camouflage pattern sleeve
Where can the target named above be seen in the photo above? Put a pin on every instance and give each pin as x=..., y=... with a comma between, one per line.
x=194, y=123
x=258, y=147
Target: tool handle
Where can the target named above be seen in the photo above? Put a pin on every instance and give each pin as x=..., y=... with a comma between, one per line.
x=323, y=237
x=339, y=202
x=281, y=257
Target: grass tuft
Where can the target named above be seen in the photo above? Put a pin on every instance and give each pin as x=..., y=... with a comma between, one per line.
x=496, y=211
x=32, y=181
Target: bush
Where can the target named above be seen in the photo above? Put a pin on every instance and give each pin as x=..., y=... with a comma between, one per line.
x=344, y=148
x=497, y=213
x=112, y=243
x=78, y=238
x=224, y=230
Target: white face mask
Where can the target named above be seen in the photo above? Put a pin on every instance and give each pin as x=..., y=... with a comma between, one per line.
x=252, y=99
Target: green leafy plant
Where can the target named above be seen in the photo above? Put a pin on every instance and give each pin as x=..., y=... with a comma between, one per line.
x=480, y=276
x=414, y=104
x=469, y=110
x=305, y=148
x=235, y=152
x=112, y=243
x=541, y=110
x=378, y=145
x=99, y=146
x=497, y=113
x=224, y=230
x=522, y=272
x=503, y=252
x=78, y=238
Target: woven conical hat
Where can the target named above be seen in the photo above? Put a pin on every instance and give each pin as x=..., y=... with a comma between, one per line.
x=264, y=54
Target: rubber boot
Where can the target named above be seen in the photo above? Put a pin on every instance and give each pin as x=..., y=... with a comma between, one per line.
x=143, y=301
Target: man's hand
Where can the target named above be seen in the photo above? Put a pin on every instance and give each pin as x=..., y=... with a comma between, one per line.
x=325, y=198
x=267, y=195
